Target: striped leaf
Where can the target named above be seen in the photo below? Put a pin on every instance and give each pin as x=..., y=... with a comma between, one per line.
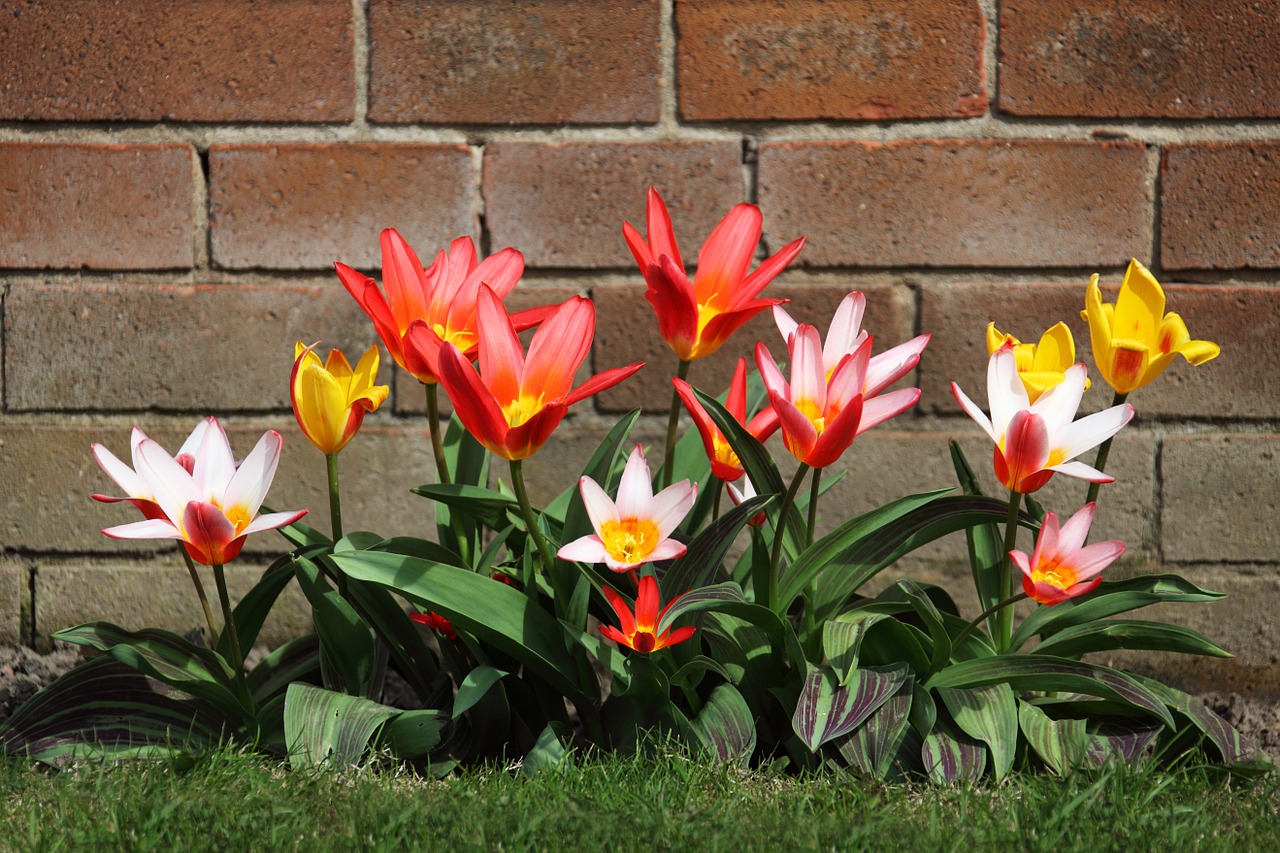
x=1129, y=634
x=989, y=714
x=321, y=726
x=1061, y=744
x=826, y=711
x=873, y=746
x=725, y=727
x=951, y=756
x=1234, y=748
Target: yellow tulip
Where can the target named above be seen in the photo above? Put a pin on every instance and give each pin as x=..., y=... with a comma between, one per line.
x=1040, y=365
x=1134, y=340
x=330, y=399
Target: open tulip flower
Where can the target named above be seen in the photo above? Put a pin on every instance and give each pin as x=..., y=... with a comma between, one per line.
x=424, y=309
x=1035, y=440
x=640, y=631
x=821, y=416
x=1063, y=566
x=137, y=491
x=724, y=462
x=330, y=399
x=515, y=401
x=214, y=506
x=696, y=317
x=1134, y=340
x=637, y=529
x=1040, y=365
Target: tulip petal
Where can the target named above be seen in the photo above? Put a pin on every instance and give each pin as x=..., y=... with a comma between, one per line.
x=472, y=400
x=669, y=507
x=625, y=619
x=404, y=279
x=502, y=360
x=844, y=334
x=124, y=476
x=667, y=549
x=585, y=549
x=647, y=605
x=891, y=365
x=1076, y=531
x=1081, y=471
x=662, y=237
x=971, y=409
x=635, y=489
x=798, y=432
x=170, y=484
x=151, y=528
x=673, y=300
x=1092, y=430
x=215, y=463
x=836, y=438
x=600, y=507
x=1005, y=392
x=1056, y=350
x=1026, y=449
x=725, y=257
x=877, y=410
x=248, y=487
x=1058, y=405
x=602, y=381
x=1092, y=559
x=209, y=533
x=808, y=377
x=1139, y=305
x=774, y=382
x=770, y=268
x=558, y=349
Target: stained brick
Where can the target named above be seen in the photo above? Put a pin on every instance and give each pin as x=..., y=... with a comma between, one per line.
x=305, y=206
x=14, y=585
x=627, y=331
x=958, y=203
x=507, y=62
x=563, y=204
x=1220, y=494
x=208, y=60
x=206, y=349
x=96, y=206
x=1220, y=206
x=816, y=60
x=1151, y=58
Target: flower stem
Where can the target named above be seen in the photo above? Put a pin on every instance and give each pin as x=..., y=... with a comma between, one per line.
x=433, y=423
x=719, y=486
x=673, y=421
x=1004, y=624
x=335, y=502
x=229, y=623
x=204, y=599
x=995, y=608
x=1104, y=450
x=811, y=589
x=775, y=560
x=531, y=522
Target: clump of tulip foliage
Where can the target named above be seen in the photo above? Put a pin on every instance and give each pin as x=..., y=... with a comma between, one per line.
x=641, y=598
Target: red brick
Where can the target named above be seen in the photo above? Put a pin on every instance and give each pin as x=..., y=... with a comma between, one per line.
x=1220, y=206
x=958, y=203
x=1221, y=494
x=1240, y=383
x=96, y=206
x=508, y=62
x=208, y=60
x=205, y=349
x=306, y=206
x=783, y=59
x=1149, y=58
x=563, y=204
x=627, y=331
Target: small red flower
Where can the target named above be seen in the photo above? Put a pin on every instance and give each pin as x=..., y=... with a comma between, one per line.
x=640, y=631
x=435, y=622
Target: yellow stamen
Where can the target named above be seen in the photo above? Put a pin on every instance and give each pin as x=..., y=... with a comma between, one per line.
x=521, y=409
x=629, y=540
x=1055, y=574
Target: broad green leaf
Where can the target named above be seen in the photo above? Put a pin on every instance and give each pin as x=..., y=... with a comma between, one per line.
x=889, y=640
x=466, y=457
x=1126, y=740
x=872, y=747
x=826, y=711
x=549, y=751
x=951, y=756
x=476, y=502
x=1129, y=634
x=989, y=714
x=412, y=734
x=491, y=611
x=252, y=609
x=727, y=598
x=841, y=640
x=384, y=613
x=424, y=549
x=322, y=726
x=939, y=639
x=1061, y=744
x=984, y=541
x=1234, y=748
x=296, y=660
x=725, y=727
x=691, y=671
x=301, y=535
x=474, y=686
x=698, y=566
x=346, y=642
x=1110, y=599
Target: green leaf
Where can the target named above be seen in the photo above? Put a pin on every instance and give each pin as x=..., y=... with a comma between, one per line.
x=826, y=711
x=474, y=686
x=725, y=727
x=984, y=541
x=252, y=609
x=322, y=726
x=549, y=751
x=474, y=502
x=1061, y=744
x=691, y=671
x=698, y=566
x=989, y=714
x=1129, y=634
x=491, y=611
x=1110, y=599
x=951, y=756
x=345, y=640
x=940, y=640
x=727, y=598
x=412, y=734
x=872, y=747
x=296, y=660
x=382, y=612
x=301, y=535
x=1234, y=748
x=841, y=640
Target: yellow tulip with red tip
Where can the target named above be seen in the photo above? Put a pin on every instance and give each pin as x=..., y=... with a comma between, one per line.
x=1134, y=340
x=330, y=399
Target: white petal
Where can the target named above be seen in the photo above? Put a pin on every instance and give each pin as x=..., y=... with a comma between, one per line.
x=1059, y=404
x=1005, y=391
x=272, y=520
x=844, y=335
x=774, y=382
x=635, y=489
x=786, y=325
x=250, y=482
x=152, y=528
x=808, y=376
x=586, y=549
x=194, y=440
x=215, y=464
x=1089, y=432
x=126, y=478
x=170, y=484
x=892, y=364
x=1081, y=471
x=669, y=507
x=668, y=549
x=972, y=410
x=600, y=507
x=1076, y=531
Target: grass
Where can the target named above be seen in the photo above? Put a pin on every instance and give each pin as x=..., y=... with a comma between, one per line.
x=229, y=801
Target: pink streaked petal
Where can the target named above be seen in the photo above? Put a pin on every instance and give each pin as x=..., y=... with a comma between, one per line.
x=635, y=488
x=1059, y=404
x=502, y=360
x=808, y=377
x=1021, y=560
x=585, y=549
x=1045, y=593
x=774, y=382
x=403, y=277
x=1076, y=531
x=1092, y=430
x=249, y=486
x=845, y=382
x=603, y=380
x=798, y=432
x=837, y=437
x=1047, y=542
x=124, y=476
x=877, y=410
x=769, y=270
x=844, y=335
x=208, y=530
x=971, y=409
x=668, y=549
x=1083, y=587
x=785, y=322
x=726, y=255
x=1092, y=559
x=1026, y=447
x=558, y=349
x=893, y=364
x=600, y=507
x=669, y=507
x=170, y=484
x=150, y=529
x=1005, y=392
x=272, y=521
x=1081, y=471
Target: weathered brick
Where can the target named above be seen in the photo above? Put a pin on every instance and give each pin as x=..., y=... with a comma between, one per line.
x=305, y=206
x=1220, y=496
x=563, y=204
x=51, y=472
x=1152, y=58
x=203, y=348
x=96, y=206
x=627, y=331
x=1220, y=206
x=508, y=62
x=814, y=60
x=14, y=589
x=958, y=203
x=210, y=60
x=153, y=596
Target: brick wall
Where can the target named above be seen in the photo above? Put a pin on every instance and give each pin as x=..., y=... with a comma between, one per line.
x=175, y=185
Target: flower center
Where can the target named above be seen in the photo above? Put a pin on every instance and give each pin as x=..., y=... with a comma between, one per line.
x=643, y=641
x=815, y=414
x=521, y=409
x=239, y=517
x=1055, y=574
x=629, y=540
x=726, y=456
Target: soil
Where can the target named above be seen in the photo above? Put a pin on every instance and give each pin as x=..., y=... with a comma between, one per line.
x=24, y=671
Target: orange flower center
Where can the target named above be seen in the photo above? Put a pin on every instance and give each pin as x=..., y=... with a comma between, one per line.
x=521, y=409
x=725, y=455
x=1055, y=574
x=239, y=517
x=815, y=414
x=629, y=540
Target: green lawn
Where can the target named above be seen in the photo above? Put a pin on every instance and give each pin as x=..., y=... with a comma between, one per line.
x=231, y=802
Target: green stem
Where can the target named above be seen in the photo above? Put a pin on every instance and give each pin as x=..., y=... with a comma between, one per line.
x=335, y=502
x=1104, y=450
x=775, y=560
x=673, y=421
x=433, y=423
x=204, y=599
x=719, y=486
x=1005, y=622
x=531, y=522
x=808, y=625
x=229, y=624
x=995, y=608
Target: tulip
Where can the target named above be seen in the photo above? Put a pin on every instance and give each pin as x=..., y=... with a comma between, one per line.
x=696, y=317
x=1062, y=566
x=1040, y=365
x=515, y=401
x=637, y=529
x=746, y=493
x=1134, y=340
x=437, y=623
x=724, y=462
x=137, y=492
x=330, y=399
x=1035, y=440
x=640, y=631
